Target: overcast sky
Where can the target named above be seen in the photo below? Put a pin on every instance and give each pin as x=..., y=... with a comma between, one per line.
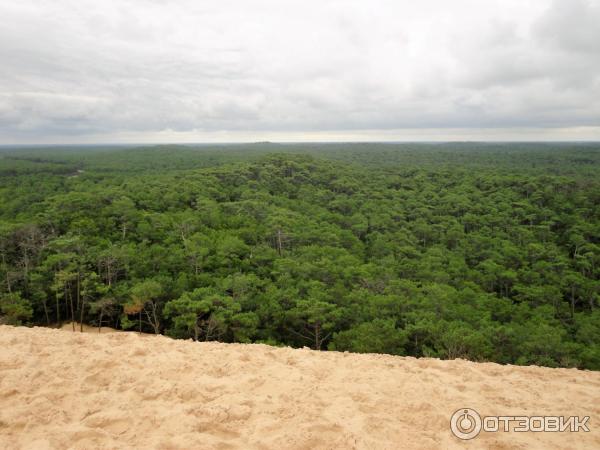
x=78, y=71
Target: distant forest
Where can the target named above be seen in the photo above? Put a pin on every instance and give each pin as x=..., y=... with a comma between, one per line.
x=489, y=252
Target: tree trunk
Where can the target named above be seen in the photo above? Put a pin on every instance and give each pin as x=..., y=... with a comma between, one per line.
x=154, y=321
x=81, y=316
x=7, y=274
x=72, y=310
x=57, y=309
x=46, y=311
x=317, y=334
x=79, y=291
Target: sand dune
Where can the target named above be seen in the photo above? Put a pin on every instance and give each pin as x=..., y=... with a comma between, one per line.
x=60, y=389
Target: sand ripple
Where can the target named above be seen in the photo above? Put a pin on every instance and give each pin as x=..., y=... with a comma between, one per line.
x=60, y=389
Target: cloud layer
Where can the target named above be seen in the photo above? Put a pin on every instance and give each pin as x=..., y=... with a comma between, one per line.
x=83, y=71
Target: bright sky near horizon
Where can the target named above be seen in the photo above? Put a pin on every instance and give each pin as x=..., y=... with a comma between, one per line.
x=80, y=71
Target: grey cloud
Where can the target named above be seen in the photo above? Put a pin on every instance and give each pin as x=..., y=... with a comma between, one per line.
x=141, y=66
x=572, y=26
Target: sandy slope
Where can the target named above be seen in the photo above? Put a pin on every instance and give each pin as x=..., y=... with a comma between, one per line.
x=60, y=389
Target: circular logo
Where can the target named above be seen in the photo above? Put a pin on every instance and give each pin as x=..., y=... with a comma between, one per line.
x=465, y=423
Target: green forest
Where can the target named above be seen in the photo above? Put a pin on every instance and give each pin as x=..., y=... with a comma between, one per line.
x=488, y=252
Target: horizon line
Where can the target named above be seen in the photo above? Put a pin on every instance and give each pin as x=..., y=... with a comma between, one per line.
x=204, y=143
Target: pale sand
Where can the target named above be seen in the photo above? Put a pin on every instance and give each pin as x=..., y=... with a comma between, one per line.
x=60, y=389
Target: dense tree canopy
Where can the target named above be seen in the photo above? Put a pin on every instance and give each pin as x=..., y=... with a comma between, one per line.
x=486, y=252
